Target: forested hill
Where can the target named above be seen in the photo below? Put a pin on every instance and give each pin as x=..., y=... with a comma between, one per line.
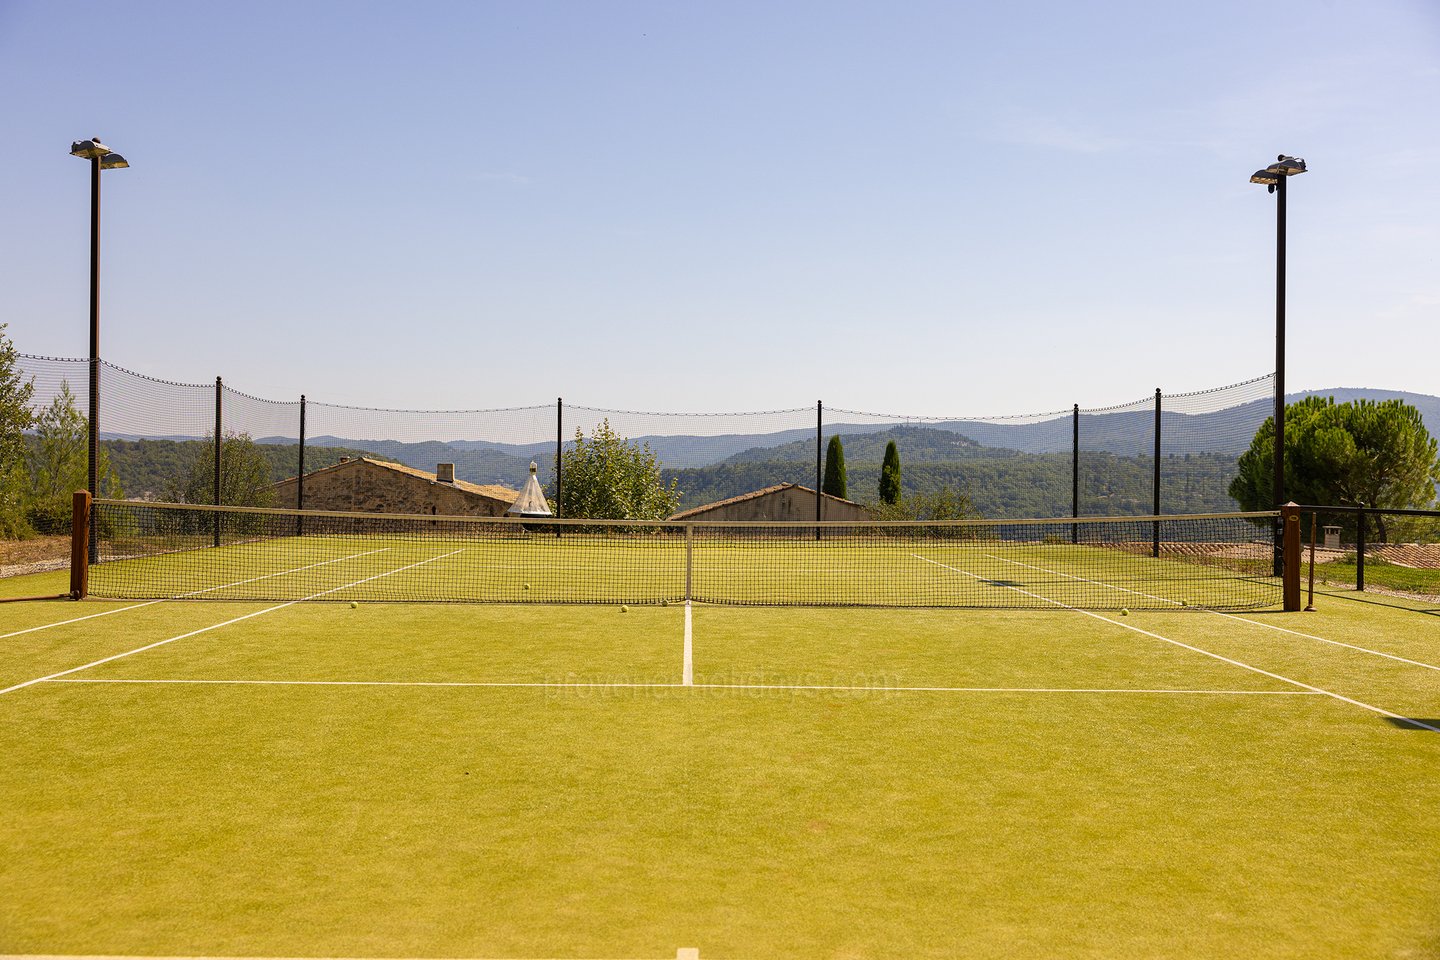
x=1000, y=482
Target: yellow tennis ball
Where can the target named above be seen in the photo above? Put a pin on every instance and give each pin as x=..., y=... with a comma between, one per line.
x=624, y=609
x=1124, y=611
x=353, y=604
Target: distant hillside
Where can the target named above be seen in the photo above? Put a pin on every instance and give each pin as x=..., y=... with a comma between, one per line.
x=1000, y=482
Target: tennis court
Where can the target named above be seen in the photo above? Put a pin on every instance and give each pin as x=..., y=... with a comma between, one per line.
x=1111, y=772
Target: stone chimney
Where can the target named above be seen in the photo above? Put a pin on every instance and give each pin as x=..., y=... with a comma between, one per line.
x=445, y=472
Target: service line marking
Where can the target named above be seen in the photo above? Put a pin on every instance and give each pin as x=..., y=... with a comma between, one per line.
x=1228, y=616
x=192, y=593
x=1215, y=656
x=565, y=685
x=217, y=626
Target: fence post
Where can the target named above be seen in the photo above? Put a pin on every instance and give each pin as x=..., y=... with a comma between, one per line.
x=1155, y=484
x=219, y=395
x=559, y=446
x=1075, y=473
x=819, y=465
x=1360, y=551
x=80, y=537
x=1290, y=583
x=300, y=474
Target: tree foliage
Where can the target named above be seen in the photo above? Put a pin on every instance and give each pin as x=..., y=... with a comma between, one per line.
x=1375, y=453
x=15, y=418
x=59, y=461
x=607, y=477
x=834, y=483
x=890, y=475
x=244, y=474
x=945, y=503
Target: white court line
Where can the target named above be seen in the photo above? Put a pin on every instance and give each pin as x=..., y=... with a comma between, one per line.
x=687, y=669
x=192, y=593
x=1229, y=616
x=1244, y=666
x=256, y=613
x=546, y=685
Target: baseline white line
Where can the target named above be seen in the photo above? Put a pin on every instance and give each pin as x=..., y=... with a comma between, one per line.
x=256, y=613
x=1229, y=616
x=192, y=593
x=699, y=686
x=1244, y=666
x=687, y=669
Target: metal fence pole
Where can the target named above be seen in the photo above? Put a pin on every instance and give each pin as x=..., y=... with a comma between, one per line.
x=1075, y=473
x=1155, y=530
x=219, y=394
x=559, y=447
x=1360, y=551
x=300, y=474
x=819, y=465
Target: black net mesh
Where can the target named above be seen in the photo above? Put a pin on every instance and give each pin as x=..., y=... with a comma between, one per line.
x=180, y=552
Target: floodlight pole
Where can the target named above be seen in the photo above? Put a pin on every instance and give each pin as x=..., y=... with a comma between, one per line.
x=93, y=469
x=1273, y=178
x=101, y=157
x=1279, y=491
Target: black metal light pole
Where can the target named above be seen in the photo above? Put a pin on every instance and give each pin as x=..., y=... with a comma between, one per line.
x=1274, y=177
x=101, y=157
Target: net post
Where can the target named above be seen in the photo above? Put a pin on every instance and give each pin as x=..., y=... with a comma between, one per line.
x=689, y=561
x=300, y=473
x=80, y=544
x=1290, y=584
x=219, y=395
x=1155, y=528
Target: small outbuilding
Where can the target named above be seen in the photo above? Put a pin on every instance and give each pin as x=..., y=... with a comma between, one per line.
x=782, y=502
x=364, y=485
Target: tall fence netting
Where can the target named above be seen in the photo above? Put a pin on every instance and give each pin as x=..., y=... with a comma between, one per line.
x=1087, y=461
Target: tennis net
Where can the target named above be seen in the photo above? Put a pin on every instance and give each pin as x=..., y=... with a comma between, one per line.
x=173, y=551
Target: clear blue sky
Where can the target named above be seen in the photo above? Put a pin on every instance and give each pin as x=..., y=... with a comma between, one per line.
x=929, y=208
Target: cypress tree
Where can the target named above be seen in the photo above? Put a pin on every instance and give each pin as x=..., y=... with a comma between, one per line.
x=890, y=475
x=835, y=468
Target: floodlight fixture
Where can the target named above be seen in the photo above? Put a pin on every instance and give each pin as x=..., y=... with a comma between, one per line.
x=88, y=149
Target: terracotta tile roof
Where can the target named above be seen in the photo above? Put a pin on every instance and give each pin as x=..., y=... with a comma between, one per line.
x=755, y=495
x=492, y=491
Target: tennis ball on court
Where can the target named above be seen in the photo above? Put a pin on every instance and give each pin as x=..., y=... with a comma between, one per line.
x=527, y=586
x=1124, y=611
x=664, y=603
x=624, y=609
x=353, y=604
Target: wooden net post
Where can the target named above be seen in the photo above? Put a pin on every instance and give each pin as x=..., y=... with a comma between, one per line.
x=80, y=545
x=1290, y=552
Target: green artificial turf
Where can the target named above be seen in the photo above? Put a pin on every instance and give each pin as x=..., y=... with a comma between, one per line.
x=795, y=802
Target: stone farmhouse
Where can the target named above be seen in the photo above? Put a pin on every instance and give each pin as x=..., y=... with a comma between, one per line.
x=377, y=486
x=783, y=502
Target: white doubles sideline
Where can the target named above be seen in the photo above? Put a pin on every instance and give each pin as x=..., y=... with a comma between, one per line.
x=1215, y=656
x=1219, y=613
x=192, y=593
x=217, y=626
